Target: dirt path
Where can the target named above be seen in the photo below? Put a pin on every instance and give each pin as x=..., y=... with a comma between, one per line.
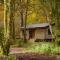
x=17, y=50
x=36, y=57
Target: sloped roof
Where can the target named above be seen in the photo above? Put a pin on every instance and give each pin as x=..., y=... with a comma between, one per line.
x=41, y=25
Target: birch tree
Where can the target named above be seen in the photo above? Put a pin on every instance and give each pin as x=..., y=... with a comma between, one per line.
x=6, y=42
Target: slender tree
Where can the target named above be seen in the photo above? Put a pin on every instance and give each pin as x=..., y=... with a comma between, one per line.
x=12, y=19
x=23, y=9
x=6, y=43
x=9, y=27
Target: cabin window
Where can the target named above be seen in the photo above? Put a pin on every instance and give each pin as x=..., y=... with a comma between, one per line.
x=49, y=33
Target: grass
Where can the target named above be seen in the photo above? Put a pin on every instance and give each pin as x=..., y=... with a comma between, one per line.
x=39, y=47
x=44, y=48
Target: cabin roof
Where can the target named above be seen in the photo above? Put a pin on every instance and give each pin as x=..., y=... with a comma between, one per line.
x=41, y=25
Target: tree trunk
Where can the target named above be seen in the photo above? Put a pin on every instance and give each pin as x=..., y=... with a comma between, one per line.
x=24, y=18
x=11, y=22
x=9, y=28
x=6, y=26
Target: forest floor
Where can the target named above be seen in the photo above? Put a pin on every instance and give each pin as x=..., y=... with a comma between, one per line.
x=23, y=54
x=44, y=47
x=37, y=51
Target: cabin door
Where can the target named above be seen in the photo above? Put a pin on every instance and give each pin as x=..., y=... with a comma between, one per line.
x=31, y=33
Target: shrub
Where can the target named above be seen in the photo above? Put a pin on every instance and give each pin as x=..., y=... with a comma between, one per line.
x=58, y=42
x=5, y=44
x=11, y=58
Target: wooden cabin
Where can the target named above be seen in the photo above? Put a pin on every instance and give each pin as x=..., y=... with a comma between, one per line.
x=38, y=32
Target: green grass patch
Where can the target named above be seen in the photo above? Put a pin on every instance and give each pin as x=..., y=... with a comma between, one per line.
x=38, y=47
x=44, y=48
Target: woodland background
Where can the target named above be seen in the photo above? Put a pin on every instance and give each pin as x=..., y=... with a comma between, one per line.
x=17, y=13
